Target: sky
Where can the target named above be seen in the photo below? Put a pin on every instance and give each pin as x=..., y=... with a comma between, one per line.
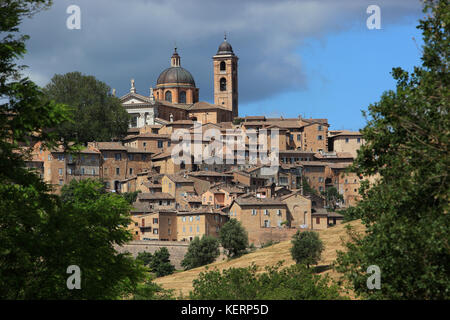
x=313, y=58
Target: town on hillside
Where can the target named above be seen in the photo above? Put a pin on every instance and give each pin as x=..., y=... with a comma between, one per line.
x=178, y=201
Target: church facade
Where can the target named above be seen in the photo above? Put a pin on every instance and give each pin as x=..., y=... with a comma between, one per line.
x=176, y=97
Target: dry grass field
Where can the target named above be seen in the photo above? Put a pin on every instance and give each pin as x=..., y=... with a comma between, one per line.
x=332, y=238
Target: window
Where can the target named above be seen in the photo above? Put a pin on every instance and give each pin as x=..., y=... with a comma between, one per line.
x=266, y=223
x=69, y=171
x=155, y=231
x=60, y=157
x=197, y=218
x=117, y=171
x=160, y=144
x=144, y=144
x=299, y=137
x=184, y=229
x=359, y=140
x=223, y=84
x=155, y=220
x=184, y=219
x=82, y=171
x=253, y=212
x=131, y=171
x=190, y=229
x=144, y=157
x=182, y=98
x=266, y=212
x=317, y=220
x=118, y=156
x=130, y=156
x=60, y=171
x=222, y=66
x=319, y=137
x=49, y=157
x=168, y=96
x=279, y=212
x=346, y=140
x=320, y=179
x=93, y=172
x=191, y=218
x=60, y=182
x=319, y=128
x=198, y=229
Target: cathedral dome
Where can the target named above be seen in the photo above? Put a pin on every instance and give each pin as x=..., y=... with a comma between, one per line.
x=225, y=48
x=176, y=75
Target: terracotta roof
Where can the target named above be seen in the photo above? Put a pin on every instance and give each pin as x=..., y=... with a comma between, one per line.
x=154, y=196
x=147, y=135
x=337, y=133
x=179, y=178
x=335, y=215
x=202, y=105
x=209, y=174
x=202, y=210
x=253, y=201
x=109, y=146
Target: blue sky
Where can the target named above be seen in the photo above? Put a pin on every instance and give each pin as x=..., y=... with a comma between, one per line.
x=296, y=57
x=346, y=73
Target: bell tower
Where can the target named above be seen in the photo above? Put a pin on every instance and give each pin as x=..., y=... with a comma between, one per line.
x=225, y=64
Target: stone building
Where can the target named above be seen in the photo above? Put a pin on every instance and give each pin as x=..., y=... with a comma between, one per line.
x=176, y=97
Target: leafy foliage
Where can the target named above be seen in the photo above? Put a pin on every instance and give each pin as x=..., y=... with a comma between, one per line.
x=332, y=197
x=306, y=248
x=234, y=238
x=200, y=252
x=406, y=209
x=158, y=262
x=293, y=283
x=97, y=115
x=307, y=187
x=130, y=196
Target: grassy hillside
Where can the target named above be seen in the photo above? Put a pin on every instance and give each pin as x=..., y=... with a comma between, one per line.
x=332, y=238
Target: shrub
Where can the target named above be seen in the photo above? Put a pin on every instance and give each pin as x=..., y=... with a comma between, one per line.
x=200, y=252
x=306, y=248
x=296, y=282
x=234, y=238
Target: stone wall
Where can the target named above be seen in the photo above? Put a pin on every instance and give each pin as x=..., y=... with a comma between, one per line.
x=177, y=249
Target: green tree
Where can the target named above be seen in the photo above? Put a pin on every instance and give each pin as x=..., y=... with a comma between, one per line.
x=306, y=248
x=144, y=257
x=24, y=199
x=406, y=209
x=200, y=252
x=84, y=231
x=97, y=115
x=332, y=197
x=131, y=196
x=293, y=283
x=234, y=238
x=159, y=263
x=307, y=188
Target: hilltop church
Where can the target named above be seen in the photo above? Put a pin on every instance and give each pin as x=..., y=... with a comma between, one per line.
x=176, y=96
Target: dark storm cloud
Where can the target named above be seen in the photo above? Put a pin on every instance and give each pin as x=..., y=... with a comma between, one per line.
x=120, y=40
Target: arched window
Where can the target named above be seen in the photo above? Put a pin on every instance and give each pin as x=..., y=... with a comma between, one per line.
x=223, y=84
x=222, y=66
x=169, y=96
x=182, y=98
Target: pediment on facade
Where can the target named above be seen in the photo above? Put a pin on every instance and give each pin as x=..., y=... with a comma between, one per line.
x=134, y=98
